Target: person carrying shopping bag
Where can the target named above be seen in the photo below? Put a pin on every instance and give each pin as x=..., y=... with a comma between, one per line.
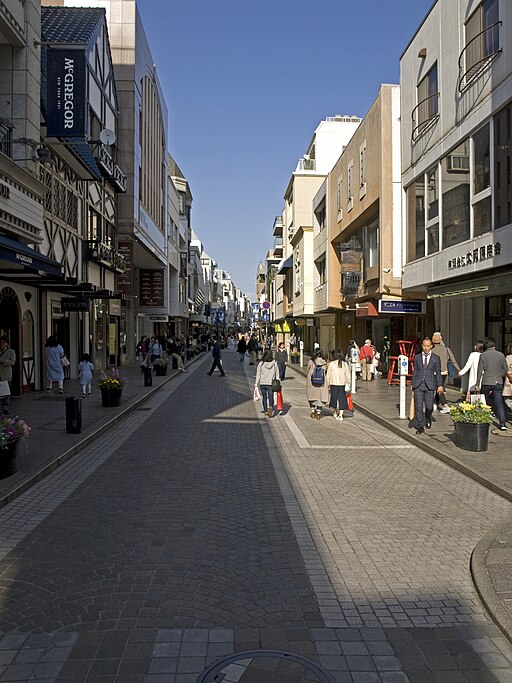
x=266, y=372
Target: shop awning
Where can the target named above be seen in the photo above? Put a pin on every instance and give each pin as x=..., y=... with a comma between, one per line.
x=16, y=252
x=366, y=310
x=285, y=266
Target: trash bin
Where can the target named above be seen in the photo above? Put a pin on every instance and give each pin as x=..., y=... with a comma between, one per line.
x=73, y=415
x=148, y=377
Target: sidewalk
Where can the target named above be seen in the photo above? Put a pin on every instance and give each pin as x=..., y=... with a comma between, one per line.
x=491, y=563
x=48, y=445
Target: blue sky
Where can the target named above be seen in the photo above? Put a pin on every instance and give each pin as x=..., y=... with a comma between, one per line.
x=246, y=84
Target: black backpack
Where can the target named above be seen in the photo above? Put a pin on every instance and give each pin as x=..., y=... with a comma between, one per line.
x=318, y=376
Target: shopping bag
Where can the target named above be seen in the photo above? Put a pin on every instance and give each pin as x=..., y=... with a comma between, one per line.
x=65, y=362
x=257, y=393
x=412, y=411
x=350, y=402
x=4, y=388
x=279, y=400
x=478, y=398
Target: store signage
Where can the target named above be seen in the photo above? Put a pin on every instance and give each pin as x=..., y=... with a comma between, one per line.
x=124, y=280
x=72, y=305
x=158, y=318
x=417, y=307
x=65, y=113
x=477, y=255
x=5, y=191
x=151, y=288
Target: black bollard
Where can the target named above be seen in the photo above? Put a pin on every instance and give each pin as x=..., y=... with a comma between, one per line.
x=73, y=415
x=148, y=377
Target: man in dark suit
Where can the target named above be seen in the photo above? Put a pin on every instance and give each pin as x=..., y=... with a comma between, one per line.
x=217, y=361
x=426, y=380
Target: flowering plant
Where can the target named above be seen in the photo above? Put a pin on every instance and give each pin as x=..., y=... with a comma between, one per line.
x=12, y=429
x=162, y=362
x=294, y=353
x=112, y=381
x=471, y=413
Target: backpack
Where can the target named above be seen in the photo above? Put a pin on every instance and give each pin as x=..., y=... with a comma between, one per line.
x=318, y=376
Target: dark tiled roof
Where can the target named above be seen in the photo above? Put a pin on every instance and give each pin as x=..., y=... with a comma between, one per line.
x=70, y=24
x=84, y=152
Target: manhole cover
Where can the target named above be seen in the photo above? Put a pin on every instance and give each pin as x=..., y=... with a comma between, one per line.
x=271, y=666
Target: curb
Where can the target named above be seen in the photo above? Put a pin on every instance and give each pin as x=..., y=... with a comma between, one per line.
x=484, y=585
x=63, y=457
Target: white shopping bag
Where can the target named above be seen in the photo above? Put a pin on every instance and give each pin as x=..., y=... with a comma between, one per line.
x=4, y=388
x=478, y=398
x=257, y=393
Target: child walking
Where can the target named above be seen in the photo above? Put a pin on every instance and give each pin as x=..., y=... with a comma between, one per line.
x=85, y=370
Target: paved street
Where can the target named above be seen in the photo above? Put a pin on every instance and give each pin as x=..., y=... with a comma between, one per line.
x=196, y=528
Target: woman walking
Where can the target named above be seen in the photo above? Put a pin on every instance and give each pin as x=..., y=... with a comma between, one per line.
x=338, y=376
x=472, y=367
x=266, y=372
x=54, y=368
x=316, y=386
x=444, y=353
x=281, y=359
x=507, y=389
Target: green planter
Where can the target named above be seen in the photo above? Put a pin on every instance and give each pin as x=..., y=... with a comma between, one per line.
x=8, y=463
x=111, y=398
x=472, y=437
x=294, y=360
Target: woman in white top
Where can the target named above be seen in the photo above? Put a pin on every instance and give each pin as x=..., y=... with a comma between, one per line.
x=472, y=366
x=338, y=376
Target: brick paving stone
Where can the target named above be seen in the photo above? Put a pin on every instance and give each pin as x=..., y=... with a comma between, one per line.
x=227, y=531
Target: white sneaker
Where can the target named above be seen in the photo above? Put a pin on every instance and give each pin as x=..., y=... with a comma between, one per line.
x=444, y=410
x=435, y=406
x=503, y=428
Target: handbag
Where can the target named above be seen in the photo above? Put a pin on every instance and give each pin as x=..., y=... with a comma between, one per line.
x=4, y=388
x=276, y=385
x=478, y=398
x=350, y=402
x=65, y=362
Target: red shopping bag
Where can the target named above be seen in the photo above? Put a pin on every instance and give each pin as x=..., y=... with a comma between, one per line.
x=350, y=403
x=279, y=400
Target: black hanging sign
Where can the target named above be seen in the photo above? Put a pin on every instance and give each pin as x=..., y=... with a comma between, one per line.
x=66, y=96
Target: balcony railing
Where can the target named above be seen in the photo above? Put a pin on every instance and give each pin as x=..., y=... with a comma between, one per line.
x=424, y=115
x=478, y=54
x=306, y=165
x=102, y=253
x=278, y=226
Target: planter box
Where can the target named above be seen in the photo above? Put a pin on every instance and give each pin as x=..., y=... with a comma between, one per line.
x=294, y=360
x=111, y=398
x=160, y=370
x=472, y=437
x=8, y=463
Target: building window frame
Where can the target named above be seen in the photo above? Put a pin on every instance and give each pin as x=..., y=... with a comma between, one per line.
x=350, y=188
x=362, y=170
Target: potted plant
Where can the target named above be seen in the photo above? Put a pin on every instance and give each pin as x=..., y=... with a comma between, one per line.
x=12, y=430
x=294, y=357
x=472, y=422
x=111, y=387
x=160, y=366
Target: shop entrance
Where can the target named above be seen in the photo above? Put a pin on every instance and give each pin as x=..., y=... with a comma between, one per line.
x=10, y=326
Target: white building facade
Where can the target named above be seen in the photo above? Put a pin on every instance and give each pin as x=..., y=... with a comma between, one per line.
x=456, y=108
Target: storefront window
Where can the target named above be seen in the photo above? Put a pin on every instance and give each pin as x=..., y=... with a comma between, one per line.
x=455, y=189
x=416, y=220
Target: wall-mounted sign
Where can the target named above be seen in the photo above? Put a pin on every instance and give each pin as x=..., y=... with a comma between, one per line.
x=487, y=251
x=158, y=318
x=5, y=191
x=350, y=281
x=125, y=280
x=114, y=307
x=71, y=305
x=151, y=291
x=386, y=306
x=66, y=100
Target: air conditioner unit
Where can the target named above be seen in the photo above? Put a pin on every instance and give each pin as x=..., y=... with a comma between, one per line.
x=457, y=164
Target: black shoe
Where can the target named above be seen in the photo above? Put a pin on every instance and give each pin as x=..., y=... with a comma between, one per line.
x=428, y=425
x=420, y=430
x=209, y=374
x=223, y=374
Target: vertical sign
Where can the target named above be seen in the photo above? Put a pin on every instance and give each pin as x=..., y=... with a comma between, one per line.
x=125, y=280
x=151, y=288
x=65, y=100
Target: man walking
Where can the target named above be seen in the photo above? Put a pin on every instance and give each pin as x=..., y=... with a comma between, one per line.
x=492, y=369
x=426, y=380
x=367, y=354
x=252, y=348
x=7, y=360
x=217, y=361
